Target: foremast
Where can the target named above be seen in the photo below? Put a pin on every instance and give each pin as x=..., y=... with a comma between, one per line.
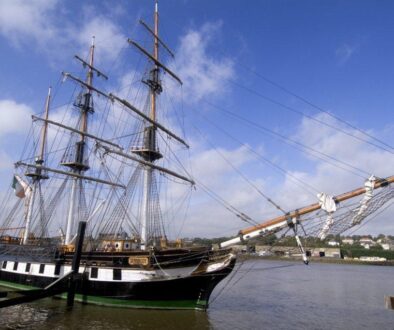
x=149, y=151
x=37, y=175
x=151, y=154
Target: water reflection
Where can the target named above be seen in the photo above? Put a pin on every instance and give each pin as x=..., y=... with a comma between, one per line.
x=53, y=314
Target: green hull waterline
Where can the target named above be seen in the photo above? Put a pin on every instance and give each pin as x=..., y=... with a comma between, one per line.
x=113, y=302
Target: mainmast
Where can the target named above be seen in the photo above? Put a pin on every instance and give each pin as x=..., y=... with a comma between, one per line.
x=155, y=86
x=149, y=151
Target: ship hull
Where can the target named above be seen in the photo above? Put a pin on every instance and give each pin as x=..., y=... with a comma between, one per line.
x=188, y=288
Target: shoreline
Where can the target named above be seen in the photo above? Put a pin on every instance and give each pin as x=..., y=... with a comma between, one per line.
x=327, y=260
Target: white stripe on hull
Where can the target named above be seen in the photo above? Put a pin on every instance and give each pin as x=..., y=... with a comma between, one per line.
x=106, y=274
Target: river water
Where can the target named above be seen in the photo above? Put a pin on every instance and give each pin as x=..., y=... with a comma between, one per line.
x=262, y=294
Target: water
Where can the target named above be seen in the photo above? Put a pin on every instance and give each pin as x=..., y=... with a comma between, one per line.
x=262, y=295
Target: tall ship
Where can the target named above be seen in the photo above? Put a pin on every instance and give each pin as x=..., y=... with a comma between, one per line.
x=101, y=180
x=105, y=168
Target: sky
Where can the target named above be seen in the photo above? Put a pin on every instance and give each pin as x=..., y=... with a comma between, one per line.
x=303, y=70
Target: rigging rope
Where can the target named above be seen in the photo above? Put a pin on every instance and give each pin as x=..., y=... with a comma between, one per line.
x=276, y=205
x=284, y=106
x=344, y=216
x=227, y=205
x=299, y=97
x=304, y=185
x=303, y=99
x=291, y=142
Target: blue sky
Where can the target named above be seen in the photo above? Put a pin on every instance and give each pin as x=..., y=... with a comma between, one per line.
x=339, y=55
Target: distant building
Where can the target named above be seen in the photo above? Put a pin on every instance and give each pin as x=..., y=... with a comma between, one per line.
x=349, y=241
x=333, y=243
x=326, y=252
x=367, y=242
x=385, y=246
x=265, y=250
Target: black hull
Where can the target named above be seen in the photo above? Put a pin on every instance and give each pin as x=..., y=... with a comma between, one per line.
x=189, y=292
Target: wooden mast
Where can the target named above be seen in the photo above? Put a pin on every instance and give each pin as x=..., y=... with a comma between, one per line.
x=151, y=154
x=37, y=175
x=45, y=128
x=156, y=57
x=88, y=95
x=149, y=151
x=78, y=165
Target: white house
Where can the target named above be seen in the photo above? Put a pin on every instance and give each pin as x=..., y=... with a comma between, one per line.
x=385, y=246
x=349, y=241
x=367, y=242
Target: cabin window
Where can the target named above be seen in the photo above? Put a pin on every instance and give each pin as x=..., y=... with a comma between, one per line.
x=117, y=274
x=126, y=245
x=27, y=269
x=42, y=268
x=93, y=272
x=117, y=245
x=57, y=269
x=4, y=264
x=16, y=265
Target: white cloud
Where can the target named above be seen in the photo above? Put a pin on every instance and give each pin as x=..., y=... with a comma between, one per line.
x=202, y=73
x=108, y=37
x=44, y=23
x=129, y=86
x=211, y=165
x=348, y=149
x=332, y=179
x=209, y=218
x=15, y=120
x=14, y=117
x=214, y=175
x=21, y=20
